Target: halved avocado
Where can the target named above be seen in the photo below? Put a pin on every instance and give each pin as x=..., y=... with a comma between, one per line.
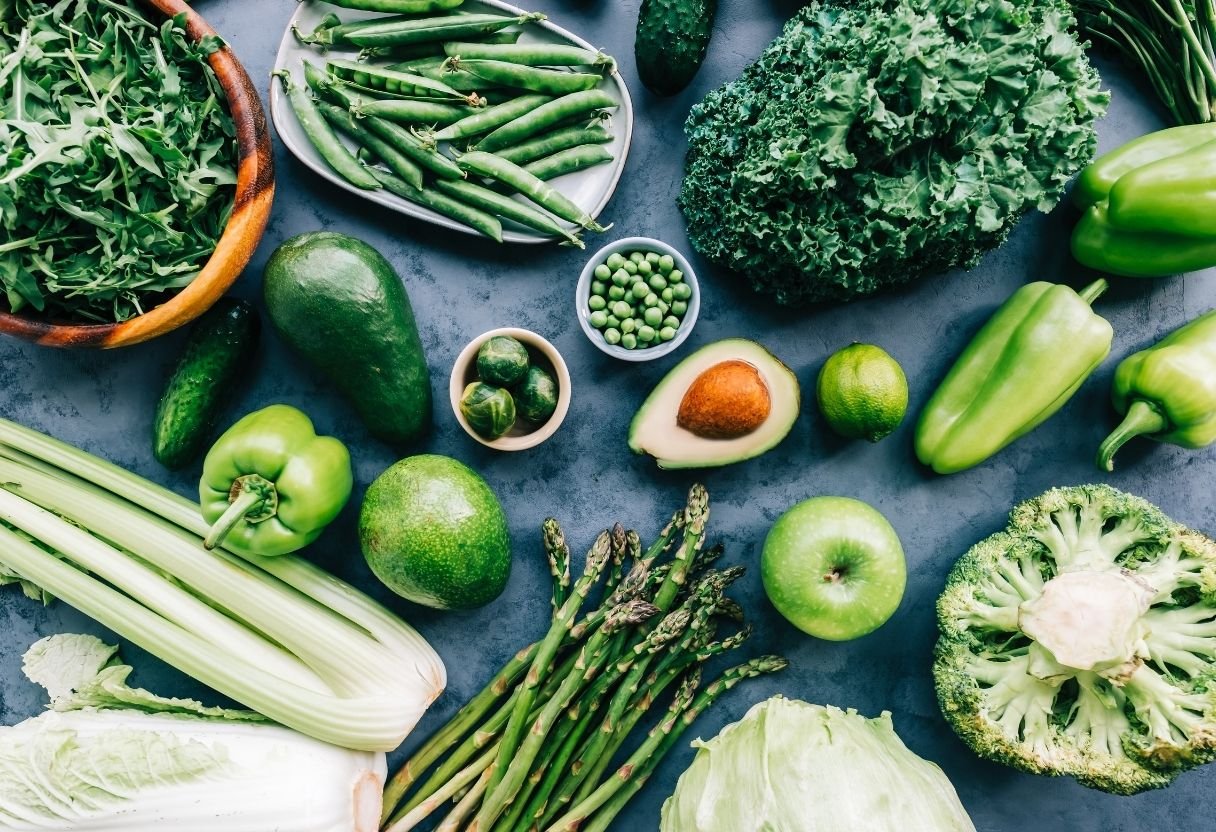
x=729, y=401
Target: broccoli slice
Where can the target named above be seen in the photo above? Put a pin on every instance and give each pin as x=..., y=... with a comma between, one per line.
x=1081, y=641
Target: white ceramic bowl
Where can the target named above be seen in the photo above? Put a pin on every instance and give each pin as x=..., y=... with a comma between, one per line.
x=583, y=292
x=523, y=435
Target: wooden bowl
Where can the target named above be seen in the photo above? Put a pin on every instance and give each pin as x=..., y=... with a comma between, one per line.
x=250, y=212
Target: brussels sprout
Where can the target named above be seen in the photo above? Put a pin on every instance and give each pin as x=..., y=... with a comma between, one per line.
x=489, y=410
x=536, y=396
x=502, y=361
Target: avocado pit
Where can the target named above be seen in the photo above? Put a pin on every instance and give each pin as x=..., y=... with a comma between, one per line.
x=726, y=401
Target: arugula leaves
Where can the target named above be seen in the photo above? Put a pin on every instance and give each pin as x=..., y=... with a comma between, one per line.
x=117, y=158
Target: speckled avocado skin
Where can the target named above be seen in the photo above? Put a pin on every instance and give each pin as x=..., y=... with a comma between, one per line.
x=671, y=42
x=435, y=534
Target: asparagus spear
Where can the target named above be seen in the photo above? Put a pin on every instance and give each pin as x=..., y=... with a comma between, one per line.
x=683, y=712
x=695, y=517
x=559, y=561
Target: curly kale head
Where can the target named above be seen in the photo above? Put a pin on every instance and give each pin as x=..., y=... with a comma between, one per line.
x=1081, y=641
x=873, y=144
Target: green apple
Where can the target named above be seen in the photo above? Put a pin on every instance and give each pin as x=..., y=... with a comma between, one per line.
x=834, y=567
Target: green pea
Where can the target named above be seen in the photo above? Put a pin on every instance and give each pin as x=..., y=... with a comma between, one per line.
x=629, y=341
x=653, y=316
x=598, y=287
x=666, y=295
x=681, y=291
x=667, y=333
x=653, y=258
x=620, y=277
x=596, y=303
x=612, y=336
x=599, y=319
x=658, y=282
x=645, y=268
x=637, y=257
x=651, y=300
x=630, y=267
x=667, y=263
x=671, y=321
x=621, y=309
x=616, y=293
x=602, y=272
x=663, y=307
x=615, y=261
x=678, y=308
x=646, y=334
x=628, y=325
x=675, y=276
x=639, y=290
x=613, y=322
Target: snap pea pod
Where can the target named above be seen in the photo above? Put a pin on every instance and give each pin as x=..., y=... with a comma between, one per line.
x=544, y=195
x=433, y=68
x=535, y=79
x=398, y=6
x=396, y=161
x=403, y=110
x=323, y=137
x=491, y=117
x=529, y=54
x=554, y=142
x=571, y=160
x=387, y=81
x=546, y=116
x=436, y=29
x=331, y=31
x=507, y=208
x=475, y=218
x=430, y=49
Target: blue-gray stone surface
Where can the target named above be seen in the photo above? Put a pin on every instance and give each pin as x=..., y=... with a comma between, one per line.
x=586, y=476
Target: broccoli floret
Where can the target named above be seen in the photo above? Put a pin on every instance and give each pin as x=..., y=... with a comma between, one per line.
x=1081, y=641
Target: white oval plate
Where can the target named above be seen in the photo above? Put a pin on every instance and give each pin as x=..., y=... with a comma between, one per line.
x=591, y=188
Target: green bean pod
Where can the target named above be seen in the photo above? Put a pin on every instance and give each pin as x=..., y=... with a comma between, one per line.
x=529, y=54
x=396, y=161
x=430, y=49
x=507, y=208
x=535, y=79
x=570, y=160
x=543, y=194
x=386, y=81
x=546, y=116
x=402, y=110
x=475, y=218
x=554, y=142
x=323, y=137
x=436, y=29
x=398, y=6
x=491, y=117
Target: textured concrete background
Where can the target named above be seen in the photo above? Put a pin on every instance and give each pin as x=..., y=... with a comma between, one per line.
x=586, y=476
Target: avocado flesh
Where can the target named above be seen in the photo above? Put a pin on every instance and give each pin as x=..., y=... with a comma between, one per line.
x=654, y=429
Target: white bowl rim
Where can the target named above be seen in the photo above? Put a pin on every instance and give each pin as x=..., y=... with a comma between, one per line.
x=538, y=342
x=583, y=290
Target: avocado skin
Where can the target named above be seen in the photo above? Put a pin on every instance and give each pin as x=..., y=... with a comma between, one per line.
x=672, y=38
x=337, y=302
x=434, y=533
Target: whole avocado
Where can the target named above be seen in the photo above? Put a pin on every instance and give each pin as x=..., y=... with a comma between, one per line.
x=672, y=38
x=434, y=533
x=338, y=303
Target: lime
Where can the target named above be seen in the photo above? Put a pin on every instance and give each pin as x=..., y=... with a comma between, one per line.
x=862, y=392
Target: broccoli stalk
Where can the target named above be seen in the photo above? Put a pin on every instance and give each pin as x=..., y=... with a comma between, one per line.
x=1082, y=641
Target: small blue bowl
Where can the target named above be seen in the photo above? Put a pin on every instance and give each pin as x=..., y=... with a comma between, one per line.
x=623, y=247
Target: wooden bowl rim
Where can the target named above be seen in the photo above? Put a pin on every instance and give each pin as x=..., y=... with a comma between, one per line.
x=243, y=231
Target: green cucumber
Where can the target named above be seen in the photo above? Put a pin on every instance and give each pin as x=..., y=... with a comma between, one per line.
x=672, y=38
x=218, y=353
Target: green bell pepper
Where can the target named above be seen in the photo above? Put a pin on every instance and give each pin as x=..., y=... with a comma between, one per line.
x=270, y=485
x=1022, y=367
x=1168, y=391
x=1150, y=206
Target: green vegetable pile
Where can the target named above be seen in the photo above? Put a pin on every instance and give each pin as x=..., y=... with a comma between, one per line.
x=117, y=158
x=885, y=141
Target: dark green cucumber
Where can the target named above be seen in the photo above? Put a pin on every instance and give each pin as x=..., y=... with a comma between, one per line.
x=218, y=353
x=672, y=38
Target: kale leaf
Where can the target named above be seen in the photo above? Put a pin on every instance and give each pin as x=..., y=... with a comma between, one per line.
x=887, y=140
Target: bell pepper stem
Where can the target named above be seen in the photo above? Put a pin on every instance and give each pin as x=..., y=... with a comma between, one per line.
x=1094, y=291
x=253, y=498
x=1143, y=419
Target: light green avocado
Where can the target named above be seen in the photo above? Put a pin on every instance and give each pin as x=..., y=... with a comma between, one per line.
x=434, y=533
x=655, y=429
